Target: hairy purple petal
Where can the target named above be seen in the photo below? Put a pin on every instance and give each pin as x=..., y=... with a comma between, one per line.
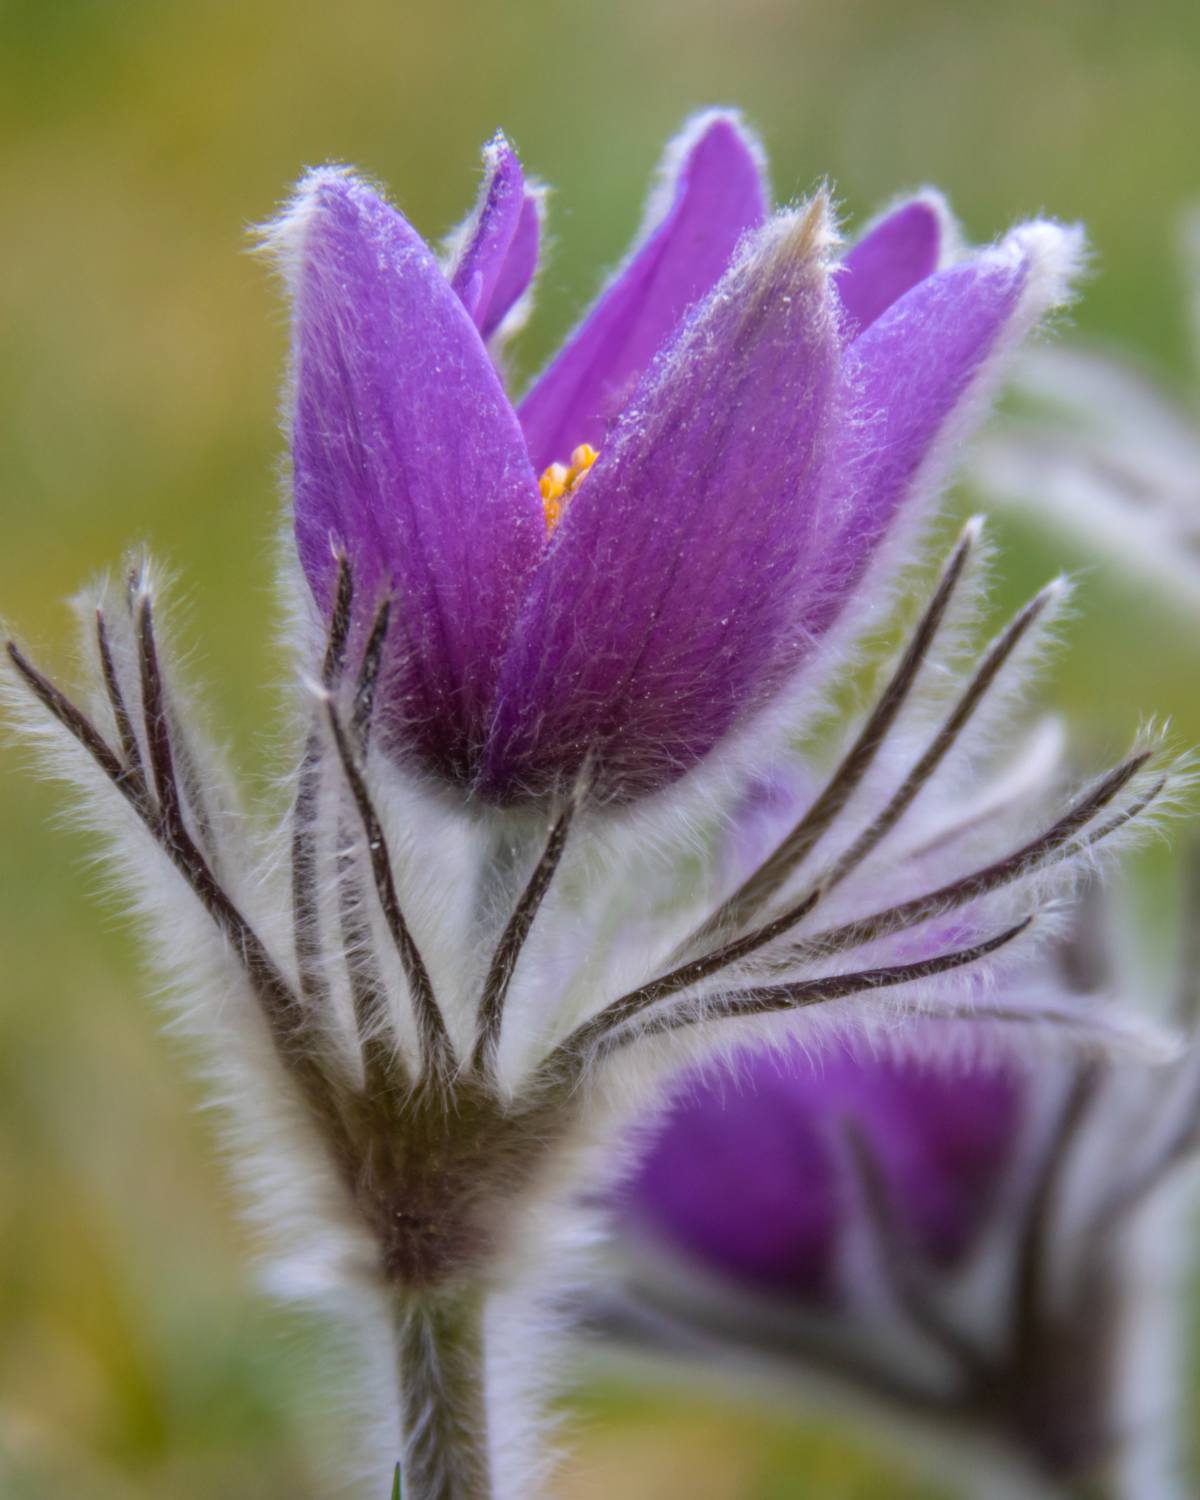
x=716, y=194
x=901, y=250
x=914, y=376
x=516, y=273
x=499, y=254
x=407, y=456
x=666, y=608
x=749, y=1174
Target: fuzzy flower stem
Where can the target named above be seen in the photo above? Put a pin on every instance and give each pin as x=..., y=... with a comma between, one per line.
x=759, y=887
x=439, y=1354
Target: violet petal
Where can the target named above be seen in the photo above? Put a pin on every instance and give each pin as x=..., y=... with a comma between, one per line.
x=499, y=253
x=407, y=454
x=666, y=608
x=510, y=294
x=902, y=249
x=915, y=376
x=714, y=193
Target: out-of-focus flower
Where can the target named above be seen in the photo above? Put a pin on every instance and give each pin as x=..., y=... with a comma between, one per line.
x=974, y=1236
x=475, y=938
x=1093, y=445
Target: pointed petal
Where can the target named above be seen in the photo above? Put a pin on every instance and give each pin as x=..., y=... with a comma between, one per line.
x=407, y=455
x=666, y=606
x=917, y=375
x=510, y=295
x=499, y=252
x=713, y=194
x=901, y=250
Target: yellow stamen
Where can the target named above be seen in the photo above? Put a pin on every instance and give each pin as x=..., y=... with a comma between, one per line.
x=559, y=483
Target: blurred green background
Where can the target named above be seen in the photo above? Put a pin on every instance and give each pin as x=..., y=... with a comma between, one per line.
x=141, y=354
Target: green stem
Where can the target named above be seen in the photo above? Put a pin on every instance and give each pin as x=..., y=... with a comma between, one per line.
x=443, y=1406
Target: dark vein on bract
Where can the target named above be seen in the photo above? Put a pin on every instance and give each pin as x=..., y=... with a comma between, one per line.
x=130, y=748
x=305, y=913
x=72, y=719
x=436, y=1046
x=1046, y=848
x=760, y=886
x=368, y=677
x=1024, y=861
x=768, y=999
x=943, y=742
x=512, y=941
x=155, y=723
x=1031, y=1272
x=279, y=1002
x=383, y=1068
x=339, y=624
x=636, y=1001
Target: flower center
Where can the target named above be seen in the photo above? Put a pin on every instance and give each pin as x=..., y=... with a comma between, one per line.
x=560, y=481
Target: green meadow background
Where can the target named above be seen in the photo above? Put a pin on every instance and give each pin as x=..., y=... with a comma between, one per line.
x=140, y=355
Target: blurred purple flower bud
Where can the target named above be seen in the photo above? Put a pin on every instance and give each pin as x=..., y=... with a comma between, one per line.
x=971, y=1233
x=748, y=1176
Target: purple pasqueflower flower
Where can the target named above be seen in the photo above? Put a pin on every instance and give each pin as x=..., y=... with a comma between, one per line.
x=968, y=1230
x=746, y=1178
x=766, y=418
x=428, y=1009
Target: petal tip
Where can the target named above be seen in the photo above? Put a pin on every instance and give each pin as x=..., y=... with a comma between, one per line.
x=1051, y=257
x=281, y=240
x=972, y=532
x=1055, y=257
x=804, y=237
x=491, y=257
x=500, y=159
x=722, y=131
x=1057, y=592
x=950, y=241
x=725, y=124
